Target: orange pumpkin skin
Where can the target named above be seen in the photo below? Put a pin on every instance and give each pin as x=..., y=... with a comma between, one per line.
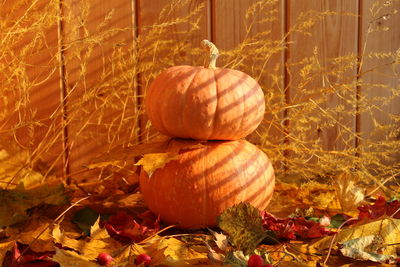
x=193, y=190
x=204, y=103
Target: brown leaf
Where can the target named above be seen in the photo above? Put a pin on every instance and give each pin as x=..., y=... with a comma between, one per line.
x=35, y=232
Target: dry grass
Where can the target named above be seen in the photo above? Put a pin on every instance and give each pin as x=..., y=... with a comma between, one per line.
x=105, y=74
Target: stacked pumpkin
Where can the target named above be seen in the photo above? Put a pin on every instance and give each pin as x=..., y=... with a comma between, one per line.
x=220, y=106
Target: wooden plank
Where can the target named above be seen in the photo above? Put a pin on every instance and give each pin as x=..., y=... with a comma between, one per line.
x=30, y=102
x=170, y=33
x=379, y=79
x=100, y=63
x=249, y=34
x=320, y=77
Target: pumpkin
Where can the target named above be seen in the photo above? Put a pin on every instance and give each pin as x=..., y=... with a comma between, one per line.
x=205, y=103
x=201, y=182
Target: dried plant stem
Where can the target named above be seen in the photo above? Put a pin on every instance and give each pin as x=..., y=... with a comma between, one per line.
x=334, y=237
x=51, y=224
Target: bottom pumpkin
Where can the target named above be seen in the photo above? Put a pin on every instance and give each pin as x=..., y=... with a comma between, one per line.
x=204, y=180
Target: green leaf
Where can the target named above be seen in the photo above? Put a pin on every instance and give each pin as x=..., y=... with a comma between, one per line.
x=235, y=259
x=16, y=202
x=85, y=218
x=337, y=220
x=243, y=224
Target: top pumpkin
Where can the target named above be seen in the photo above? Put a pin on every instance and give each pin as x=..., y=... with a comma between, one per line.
x=205, y=103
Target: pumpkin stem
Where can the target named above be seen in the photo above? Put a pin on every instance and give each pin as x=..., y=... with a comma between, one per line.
x=214, y=53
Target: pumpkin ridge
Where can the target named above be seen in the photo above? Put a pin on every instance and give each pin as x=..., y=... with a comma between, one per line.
x=182, y=104
x=216, y=106
x=187, y=94
x=165, y=94
x=246, y=80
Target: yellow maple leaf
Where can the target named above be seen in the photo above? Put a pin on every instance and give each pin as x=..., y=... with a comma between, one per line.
x=90, y=248
x=35, y=232
x=15, y=170
x=388, y=229
x=69, y=258
x=178, y=253
x=152, y=162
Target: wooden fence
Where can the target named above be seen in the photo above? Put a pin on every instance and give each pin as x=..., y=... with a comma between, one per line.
x=341, y=33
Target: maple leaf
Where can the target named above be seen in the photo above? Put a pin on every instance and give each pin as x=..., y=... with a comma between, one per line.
x=89, y=247
x=70, y=258
x=152, y=162
x=125, y=228
x=16, y=202
x=349, y=194
x=379, y=208
x=220, y=240
x=13, y=170
x=388, y=229
x=29, y=258
x=243, y=224
x=85, y=218
x=366, y=248
x=35, y=232
x=291, y=228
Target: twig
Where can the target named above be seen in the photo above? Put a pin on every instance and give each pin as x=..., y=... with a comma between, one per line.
x=334, y=237
x=52, y=223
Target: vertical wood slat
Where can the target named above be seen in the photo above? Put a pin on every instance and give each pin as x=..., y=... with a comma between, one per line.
x=97, y=113
x=379, y=76
x=230, y=28
x=334, y=36
x=34, y=113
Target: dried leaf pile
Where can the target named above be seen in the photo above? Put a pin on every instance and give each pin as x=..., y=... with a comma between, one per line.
x=54, y=224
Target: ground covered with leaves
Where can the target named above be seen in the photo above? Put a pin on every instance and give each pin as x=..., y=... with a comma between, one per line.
x=105, y=223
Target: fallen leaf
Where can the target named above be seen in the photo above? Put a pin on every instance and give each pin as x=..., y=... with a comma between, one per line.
x=366, y=248
x=179, y=254
x=243, y=224
x=236, y=259
x=90, y=247
x=85, y=218
x=70, y=258
x=318, y=195
x=36, y=232
x=23, y=256
x=379, y=208
x=16, y=202
x=220, y=240
x=125, y=228
x=14, y=170
x=349, y=194
x=293, y=228
x=388, y=229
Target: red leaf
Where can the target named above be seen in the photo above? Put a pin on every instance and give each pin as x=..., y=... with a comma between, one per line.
x=291, y=228
x=393, y=209
x=379, y=208
x=125, y=228
x=29, y=258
